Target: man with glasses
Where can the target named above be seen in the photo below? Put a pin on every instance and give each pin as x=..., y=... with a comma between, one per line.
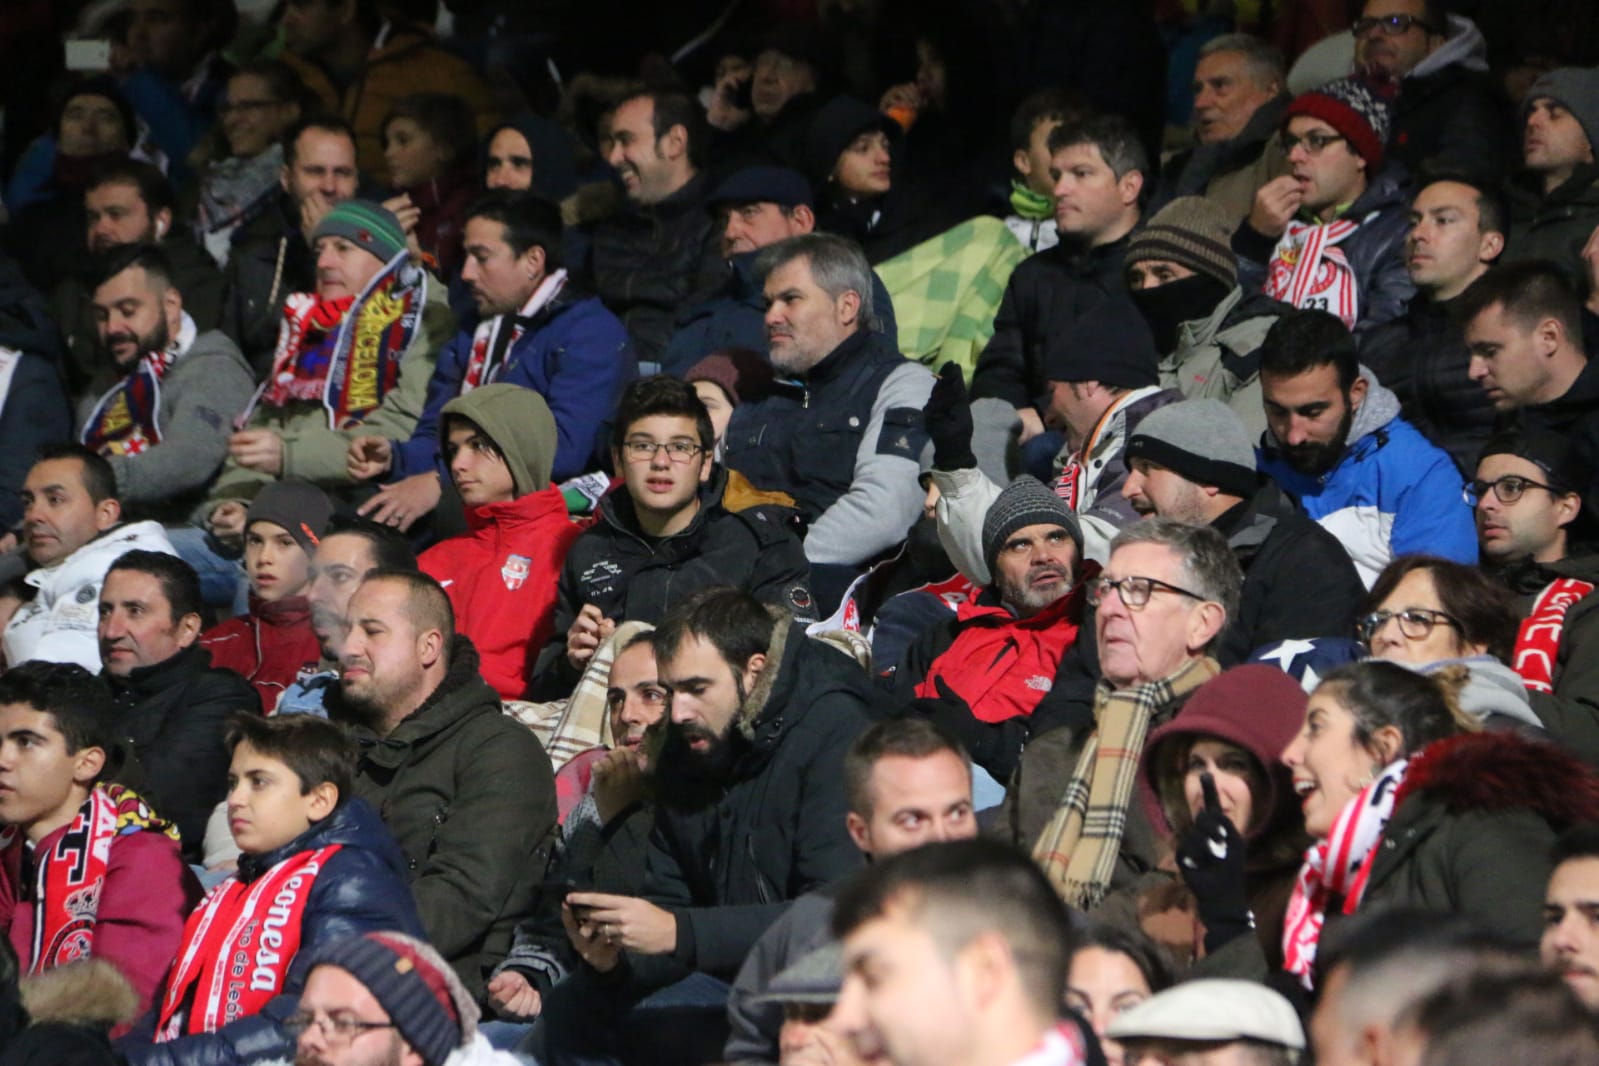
x=667, y=534
x=1161, y=604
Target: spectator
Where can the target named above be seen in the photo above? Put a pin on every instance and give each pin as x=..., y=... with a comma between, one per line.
x=1031, y=205
x=1569, y=946
x=181, y=73
x=172, y=703
x=72, y=531
x=934, y=918
x=726, y=378
x=163, y=420
x=322, y=858
x=1212, y=1017
x=264, y=100
x=1448, y=112
x=1192, y=462
x=845, y=437
x=1489, y=802
x=273, y=645
x=430, y=147
x=760, y=719
x=34, y=411
x=662, y=254
x=908, y=783
x=1493, y=1011
x=1554, y=204
x=803, y=996
x=1112, y=970
x=270, y=256
x=1336, y=443
x=498, y=443
x=665, y=535
x=1239, y=105
x=359, y=61
x=1524, y=332
x=1184, y=280
x=1328, y=235
x=1457, y=230
x=57, y=720
x=537, y=331
x=1162, y=600
x=466, y=791
x=981, y=671
x=534, y=154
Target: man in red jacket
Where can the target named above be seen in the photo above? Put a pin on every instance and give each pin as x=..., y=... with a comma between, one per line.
x=499, y=444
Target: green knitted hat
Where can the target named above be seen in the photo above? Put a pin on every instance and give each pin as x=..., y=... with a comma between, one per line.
x=369, y=225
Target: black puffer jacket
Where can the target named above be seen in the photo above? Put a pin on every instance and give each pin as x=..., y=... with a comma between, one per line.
x=1422, y=357
x=1576, y=416
x=1451, y=116
x=1557, y=225
x=174, y=715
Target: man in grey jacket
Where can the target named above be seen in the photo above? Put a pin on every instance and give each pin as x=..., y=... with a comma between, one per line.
x=164, y=424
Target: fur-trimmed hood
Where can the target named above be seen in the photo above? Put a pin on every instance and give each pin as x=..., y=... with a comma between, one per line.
x=92, y=993
x=1504, y=771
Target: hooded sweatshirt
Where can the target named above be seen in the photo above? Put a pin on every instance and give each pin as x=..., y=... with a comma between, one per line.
x=554, y=159
x=501, y=574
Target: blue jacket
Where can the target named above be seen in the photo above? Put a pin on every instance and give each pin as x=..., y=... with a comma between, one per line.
x=1392, y=493
x=574, y=353
x=362, y=889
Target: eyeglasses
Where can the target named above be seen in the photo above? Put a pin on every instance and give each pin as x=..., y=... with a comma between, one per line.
x=1508, y=488
x=1315, y=143
x=1133, y=591
x=335, y=1030
x=228, y=107
x=678, y=451
x=1414, y=623
x=1391, y=25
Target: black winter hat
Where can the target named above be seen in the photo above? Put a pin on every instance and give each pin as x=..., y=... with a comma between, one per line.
x=1109, y=343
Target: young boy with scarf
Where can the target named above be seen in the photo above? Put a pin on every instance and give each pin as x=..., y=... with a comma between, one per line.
x=87, y=870
x=317, y=865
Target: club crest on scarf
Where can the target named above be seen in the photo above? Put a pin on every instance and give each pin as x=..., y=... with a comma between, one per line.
x=1309, y=271
x=515, y=570
x=127, y=420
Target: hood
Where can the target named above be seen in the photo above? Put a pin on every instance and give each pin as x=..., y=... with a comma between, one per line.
x=1491, y=688
x=1386, y=189
x=554, y=156
x=1464, y=45
x=92, y=993
x=835, y=124
x=1502, y=772
x=353, y=824
x=109, y=546
x=519, y=423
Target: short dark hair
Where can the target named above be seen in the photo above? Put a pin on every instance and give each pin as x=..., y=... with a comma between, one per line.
x=1305, y=340
x=1502, y=1011
x=427, y=604
x=1493, y=213
x=528, y=220
x=1483, y=607
x=179, y=583
x=1118, y=143
x=962, y=889
x=81, y=704
x=1377, y=693
x=446, y=118
x=912, y=738
x=1045, y=105
x=1529, y=291
x=390, y=549
x=98, y=477
x=732, y=621
x=282, y=80
x=153, y=187
x=155, y=263
x=1151, y=960
x=661, y=394
x=325, y=121
x=674, y=107
x=316, y=749
x=1577, y=842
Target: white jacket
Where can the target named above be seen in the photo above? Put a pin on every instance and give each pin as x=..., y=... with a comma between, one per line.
x=61, y=623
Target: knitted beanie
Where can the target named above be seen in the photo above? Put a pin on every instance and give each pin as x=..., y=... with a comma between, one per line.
x=744, y=374
x=1025, y=502
x=368, y=225
x=1192, y=231
x=1200, y=441
x=298, y=506
x=412, y=983
x=1109, y=342
x=1574, y=88
x=1352, y=109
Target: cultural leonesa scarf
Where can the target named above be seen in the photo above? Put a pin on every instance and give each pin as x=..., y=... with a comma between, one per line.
x=127, y=420
x=1538, y=639
x=493, y=338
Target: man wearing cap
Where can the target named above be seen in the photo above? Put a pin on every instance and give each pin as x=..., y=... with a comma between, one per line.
x=1329, y=234
x=806, y=993
x=536, y=329
x=1554, y=202
x=1193, y=462
x=1229, y=1022
x=355, y=356
x=1529, y=490
x=1208, y=330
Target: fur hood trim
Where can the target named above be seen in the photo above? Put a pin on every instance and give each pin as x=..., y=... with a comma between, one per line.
x=90, y=993
x=1497, y=771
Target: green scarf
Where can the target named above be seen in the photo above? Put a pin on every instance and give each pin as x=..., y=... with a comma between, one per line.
x=1029, y=204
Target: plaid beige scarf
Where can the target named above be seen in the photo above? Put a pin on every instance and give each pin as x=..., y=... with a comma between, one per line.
x=1078, y=847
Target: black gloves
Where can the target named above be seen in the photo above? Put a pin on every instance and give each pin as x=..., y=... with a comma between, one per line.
x=1211, y=857
x=948, y=416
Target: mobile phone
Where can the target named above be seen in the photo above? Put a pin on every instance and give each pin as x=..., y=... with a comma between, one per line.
x=89, y=55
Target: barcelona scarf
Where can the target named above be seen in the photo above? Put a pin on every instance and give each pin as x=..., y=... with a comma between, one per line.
x=346, y=352
x=127, y=420
x=70, y=874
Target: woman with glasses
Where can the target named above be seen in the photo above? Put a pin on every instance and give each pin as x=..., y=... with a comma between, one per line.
x=262, y=101
x=1412, y=807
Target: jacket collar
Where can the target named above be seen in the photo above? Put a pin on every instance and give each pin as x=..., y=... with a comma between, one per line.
x=462, y=693
x=146, y=681
x=531, y=509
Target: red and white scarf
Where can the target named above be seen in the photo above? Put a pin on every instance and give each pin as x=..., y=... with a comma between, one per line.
x=69, y=875
x=1538, y=640
x=1309, y=271
x=237, y=947
x=493, y=338
x=1338, y=866
x=127, y=420
x=1061, y=1046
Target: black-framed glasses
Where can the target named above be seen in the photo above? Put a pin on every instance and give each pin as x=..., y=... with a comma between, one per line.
x=1133, y=591
x=1391, y=25
x=678, y=451
x=1414, y=623
x=1315, y=143
x=335, y=1030
x=1509, y=488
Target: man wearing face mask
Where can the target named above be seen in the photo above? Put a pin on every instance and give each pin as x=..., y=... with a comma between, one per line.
x=1184, y=279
